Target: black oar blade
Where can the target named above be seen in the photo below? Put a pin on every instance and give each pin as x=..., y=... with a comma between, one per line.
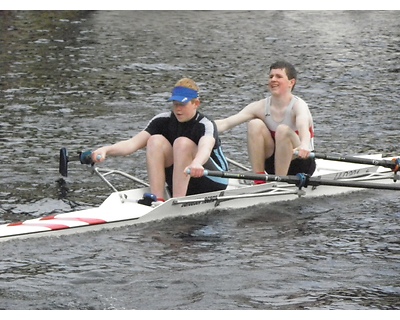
x=63, y=167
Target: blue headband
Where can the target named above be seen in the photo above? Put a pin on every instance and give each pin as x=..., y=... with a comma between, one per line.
x=183, y=94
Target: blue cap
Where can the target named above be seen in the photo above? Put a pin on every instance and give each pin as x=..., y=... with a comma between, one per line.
x=183, y=94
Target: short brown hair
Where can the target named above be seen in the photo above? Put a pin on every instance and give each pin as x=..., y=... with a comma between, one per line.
x=187, y=83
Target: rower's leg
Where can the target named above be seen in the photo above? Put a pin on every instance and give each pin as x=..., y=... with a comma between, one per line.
x=159, y=156
x=260, y=144
x=184, y=151
x=286, y=140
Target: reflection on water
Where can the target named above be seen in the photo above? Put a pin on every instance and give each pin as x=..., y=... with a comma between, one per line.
x=81, y=79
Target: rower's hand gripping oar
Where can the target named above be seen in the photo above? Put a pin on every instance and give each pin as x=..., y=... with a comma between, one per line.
x=84, y=158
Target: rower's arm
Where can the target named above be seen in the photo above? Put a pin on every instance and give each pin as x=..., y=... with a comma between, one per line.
x=303, y=123
x=249, y=112
x=122, y=148
x=204, y=149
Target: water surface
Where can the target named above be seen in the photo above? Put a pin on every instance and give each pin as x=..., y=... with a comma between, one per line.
x=84, y=79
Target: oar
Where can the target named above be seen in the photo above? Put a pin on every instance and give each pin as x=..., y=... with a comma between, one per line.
x=302, y=180
x=393, y=164
x=83, y=157
x=237, y=164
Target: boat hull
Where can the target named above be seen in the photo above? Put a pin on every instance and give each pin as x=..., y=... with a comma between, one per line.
x=121, y=208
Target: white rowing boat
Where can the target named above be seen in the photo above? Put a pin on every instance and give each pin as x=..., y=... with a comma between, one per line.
x=334, y=175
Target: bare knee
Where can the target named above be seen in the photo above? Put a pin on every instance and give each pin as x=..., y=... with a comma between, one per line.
x=259, y=139
x=283, y=132
x=158, y=149
x=183, y=145
x=156, y=142
x=255, y=126
x=257, y=131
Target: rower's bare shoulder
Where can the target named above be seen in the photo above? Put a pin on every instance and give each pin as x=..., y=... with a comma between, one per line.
x=255, y=107
x=300, y=105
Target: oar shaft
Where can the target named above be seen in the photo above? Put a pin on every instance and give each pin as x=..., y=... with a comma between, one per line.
x=375, y=162
x=297, y=180
x=354, y=184
x=237, y=164
x=252, y=176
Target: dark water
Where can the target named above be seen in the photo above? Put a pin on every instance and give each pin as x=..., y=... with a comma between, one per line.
x=84, y=79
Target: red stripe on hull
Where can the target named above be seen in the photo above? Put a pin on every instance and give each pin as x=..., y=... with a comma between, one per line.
x=87, y=220
x=53, y=225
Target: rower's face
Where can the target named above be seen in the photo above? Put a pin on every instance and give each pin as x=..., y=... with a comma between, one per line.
x=278, y=81
x=185, y=111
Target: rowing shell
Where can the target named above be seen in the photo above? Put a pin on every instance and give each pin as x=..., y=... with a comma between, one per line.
x=121, y=208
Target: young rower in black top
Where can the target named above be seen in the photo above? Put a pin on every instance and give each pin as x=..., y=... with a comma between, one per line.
x=177, y=141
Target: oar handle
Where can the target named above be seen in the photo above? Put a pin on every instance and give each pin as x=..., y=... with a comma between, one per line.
x=312, y=154
x=234, y=175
